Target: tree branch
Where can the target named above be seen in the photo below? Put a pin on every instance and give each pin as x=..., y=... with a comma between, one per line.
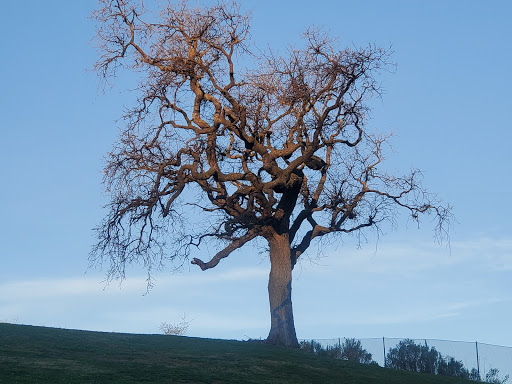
x=235, y=244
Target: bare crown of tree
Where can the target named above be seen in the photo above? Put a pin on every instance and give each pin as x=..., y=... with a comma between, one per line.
x=266, y=145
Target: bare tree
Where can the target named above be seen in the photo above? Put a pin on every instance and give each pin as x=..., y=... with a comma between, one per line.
x=276, y=150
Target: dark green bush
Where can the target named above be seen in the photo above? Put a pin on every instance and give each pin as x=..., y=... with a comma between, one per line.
x=409, y=356
x=350, y=349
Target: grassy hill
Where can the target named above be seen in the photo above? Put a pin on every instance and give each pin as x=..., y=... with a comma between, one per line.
x=47, y=355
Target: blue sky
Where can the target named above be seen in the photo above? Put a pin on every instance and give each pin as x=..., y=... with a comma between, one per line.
x=447, y=104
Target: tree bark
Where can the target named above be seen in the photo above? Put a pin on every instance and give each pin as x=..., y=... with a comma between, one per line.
x=282, y=329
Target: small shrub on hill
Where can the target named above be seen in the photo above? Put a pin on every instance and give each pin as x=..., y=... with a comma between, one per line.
x=352, y=350
x=178, y=329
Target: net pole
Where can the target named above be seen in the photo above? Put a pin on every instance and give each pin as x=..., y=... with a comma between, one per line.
x=477, y=359
x=384, y=347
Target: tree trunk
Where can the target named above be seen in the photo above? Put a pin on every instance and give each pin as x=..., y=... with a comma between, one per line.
x=282, y=329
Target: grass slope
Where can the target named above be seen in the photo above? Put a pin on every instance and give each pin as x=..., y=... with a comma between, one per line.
x=47, y=355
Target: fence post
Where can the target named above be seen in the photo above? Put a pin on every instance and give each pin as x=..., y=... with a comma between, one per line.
x=477, y=359
x=384, y=346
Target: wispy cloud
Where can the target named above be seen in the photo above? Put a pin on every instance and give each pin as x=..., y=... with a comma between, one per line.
x=401, y=285
x=17, y=291
x=412, y=257
x=76, y=286
x=427, y=312
x=85, y=302
x=397, y=316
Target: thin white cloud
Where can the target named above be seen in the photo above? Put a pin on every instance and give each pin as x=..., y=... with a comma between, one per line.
x=47, y=288
x=408, y=314
x=38, y=289
x=428, y=312
x=404, y=285
x=408, y=257
x=492, y=253
x=86, y=303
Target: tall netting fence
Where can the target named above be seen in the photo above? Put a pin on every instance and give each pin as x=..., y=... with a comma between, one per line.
x=495, y=356
x=489, y=362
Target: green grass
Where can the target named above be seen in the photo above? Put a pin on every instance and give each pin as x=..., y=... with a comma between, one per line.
x=47, y=355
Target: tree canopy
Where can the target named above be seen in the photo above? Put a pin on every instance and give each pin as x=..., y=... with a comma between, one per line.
x=265, y=145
